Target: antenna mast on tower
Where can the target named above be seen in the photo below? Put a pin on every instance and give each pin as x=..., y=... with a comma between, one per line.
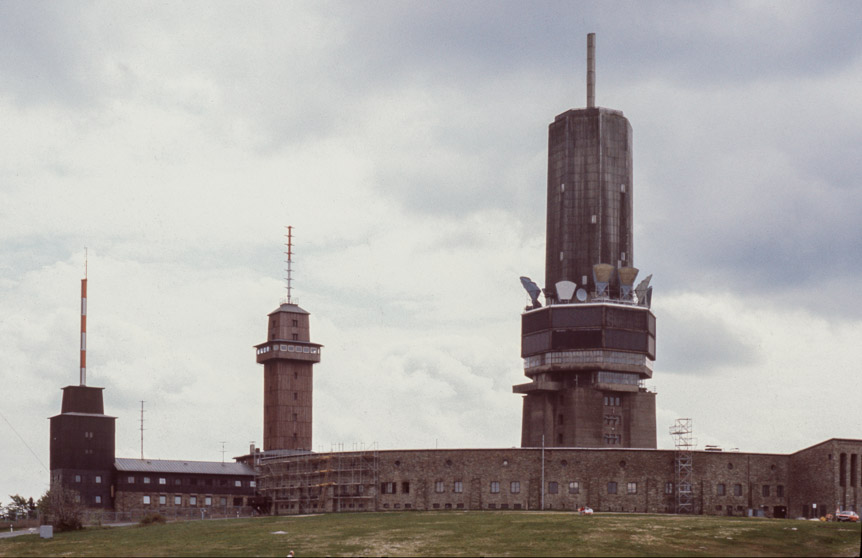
x=83, y=379
x=289, y=262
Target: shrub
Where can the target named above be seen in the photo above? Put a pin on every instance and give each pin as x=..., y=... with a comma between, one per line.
x=153, y=518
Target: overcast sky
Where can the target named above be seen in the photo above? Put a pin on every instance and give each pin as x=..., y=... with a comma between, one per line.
x=406, y=142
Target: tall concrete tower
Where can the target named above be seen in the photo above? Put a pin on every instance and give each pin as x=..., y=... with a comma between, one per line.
x=288, y=357
x=589, y=351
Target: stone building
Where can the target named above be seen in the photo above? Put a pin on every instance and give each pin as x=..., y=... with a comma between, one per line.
x=170, y=485
x=808, y=483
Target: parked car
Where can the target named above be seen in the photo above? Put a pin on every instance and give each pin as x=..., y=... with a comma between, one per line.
x=585, y=511
x=847, y=516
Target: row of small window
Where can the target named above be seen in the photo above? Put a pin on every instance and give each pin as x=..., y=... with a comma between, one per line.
x=765, y=490
x=194, y=482
x=97, y=479
x=193, y=500
x=574, y=488
x=612, y=401
x=289, y=349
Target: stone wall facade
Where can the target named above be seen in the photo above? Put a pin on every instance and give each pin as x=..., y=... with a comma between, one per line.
x=609, y=480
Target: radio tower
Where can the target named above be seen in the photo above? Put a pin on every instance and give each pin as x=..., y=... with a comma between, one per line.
x=288, y=356
x=83, y=380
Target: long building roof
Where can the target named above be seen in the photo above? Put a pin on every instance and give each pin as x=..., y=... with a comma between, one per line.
x=125, y=464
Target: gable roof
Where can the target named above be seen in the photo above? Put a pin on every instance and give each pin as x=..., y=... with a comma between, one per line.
x=124, y=464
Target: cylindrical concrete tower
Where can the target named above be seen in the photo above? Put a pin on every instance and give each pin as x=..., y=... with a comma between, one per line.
x=288, y=357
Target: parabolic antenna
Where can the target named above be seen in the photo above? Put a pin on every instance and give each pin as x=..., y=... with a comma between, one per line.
x=565, y=290
x=582, y=295
x=533, y=290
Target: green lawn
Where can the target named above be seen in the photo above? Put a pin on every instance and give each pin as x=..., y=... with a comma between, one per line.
x=458, y=534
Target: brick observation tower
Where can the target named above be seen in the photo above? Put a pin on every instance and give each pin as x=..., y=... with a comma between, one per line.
x=288, y=357
x=590, y=349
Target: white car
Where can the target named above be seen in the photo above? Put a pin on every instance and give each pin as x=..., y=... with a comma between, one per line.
x=585, y=511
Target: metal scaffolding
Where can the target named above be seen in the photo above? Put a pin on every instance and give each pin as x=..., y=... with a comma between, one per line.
x=683, y=441
x=320, y=482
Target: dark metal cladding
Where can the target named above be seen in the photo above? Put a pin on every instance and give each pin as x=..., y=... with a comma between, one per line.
x=590, y=209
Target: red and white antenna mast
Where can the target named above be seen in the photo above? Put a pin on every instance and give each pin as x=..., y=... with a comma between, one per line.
x=289, y=262
x=84, y=323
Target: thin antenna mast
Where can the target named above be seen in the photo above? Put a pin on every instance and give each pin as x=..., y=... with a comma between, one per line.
x=591, y=70
x=222, y=451
x=83, y=378
x=142, y=430
x=289, y=262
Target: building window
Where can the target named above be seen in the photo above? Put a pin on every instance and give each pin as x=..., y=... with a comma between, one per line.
x=254, y=483
x=295, y=337
x=719, y=489
x=163, y=480
x=495, y=487
x=178, y=500
x=737, y=490
x=668, y=488
x=222, y=482
x=612, y=488
x=574, y=487
x=779, y=491
x=515, y=487
x=237, y=483
x=146, y=500
x=765, y=490
x=612, y=401
x=295, y=323
x=131, y=480
x=405, y=487
x=222, y=501
x=98, y=499
x=163, y=500
x=77, y=478
x=632, y=488
x=177, y=482
x=438, y=486
x=208, y=501
x=459, y=486
x=146, y=480
x=553, y=488
x=387, y=488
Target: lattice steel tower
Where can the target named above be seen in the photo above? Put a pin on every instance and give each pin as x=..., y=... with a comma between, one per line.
x=288, y=357
x=589, y=351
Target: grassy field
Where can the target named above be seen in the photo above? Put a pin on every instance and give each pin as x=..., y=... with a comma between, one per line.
x=456, y=534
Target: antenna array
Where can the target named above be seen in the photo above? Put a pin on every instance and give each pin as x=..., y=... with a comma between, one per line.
x=289, y=262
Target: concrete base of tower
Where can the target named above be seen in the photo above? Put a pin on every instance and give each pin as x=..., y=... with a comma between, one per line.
x=587, y=417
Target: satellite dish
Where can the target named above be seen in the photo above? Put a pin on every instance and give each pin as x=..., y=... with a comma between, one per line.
x=602, y=277
x=582, y=295
x=565, y=290
x=533, y=290
x=641, y=291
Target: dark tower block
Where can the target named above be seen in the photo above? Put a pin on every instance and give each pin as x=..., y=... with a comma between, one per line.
x=288, y=358
x=82, y=446
x=590, y=349
x=589, y=217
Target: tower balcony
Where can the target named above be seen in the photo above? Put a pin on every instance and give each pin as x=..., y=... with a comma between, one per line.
x=289, y=350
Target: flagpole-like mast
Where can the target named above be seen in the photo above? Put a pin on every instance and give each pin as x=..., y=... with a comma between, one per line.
x=84, y=323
